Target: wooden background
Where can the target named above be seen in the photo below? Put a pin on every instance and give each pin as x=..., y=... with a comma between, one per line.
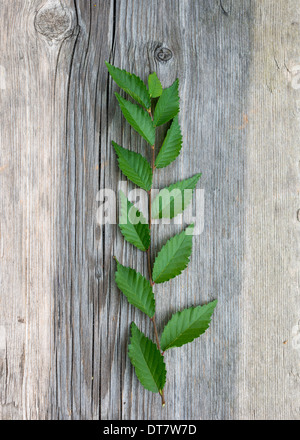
x=63, y=324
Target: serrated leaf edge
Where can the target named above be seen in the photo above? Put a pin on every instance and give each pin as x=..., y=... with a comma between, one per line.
x=125, y=224
x=154, y=117
x=179, y=313
x=128, y=91
x=170, y=240
x=142, y=276
x=161, y=151
x=145, y=161
x=171, y=188
x=134, y=326
x=144, y=113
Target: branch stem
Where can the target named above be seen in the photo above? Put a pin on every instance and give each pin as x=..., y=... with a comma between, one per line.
x=161, y=392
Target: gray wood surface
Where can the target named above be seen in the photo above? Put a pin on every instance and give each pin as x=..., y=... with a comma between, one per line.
x=63, y=324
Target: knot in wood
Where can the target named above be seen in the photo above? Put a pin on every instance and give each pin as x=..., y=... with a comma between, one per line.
x=163, y=54
x=54, y=22
x=98, y=273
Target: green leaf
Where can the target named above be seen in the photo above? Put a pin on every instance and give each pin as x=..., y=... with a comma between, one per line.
x=173, y=257
x=173, y=200
x=136, y=288
x=147, y=360
x=138, y=118
x=134, y=166
x=131, y=84
x=171, y=147
x=168, y=105
x=187, y=325
x=155, y=87
x=133, y=225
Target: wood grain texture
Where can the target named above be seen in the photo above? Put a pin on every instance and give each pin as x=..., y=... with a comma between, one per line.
x=64, y=326
x=31, y=129
x=269, y=352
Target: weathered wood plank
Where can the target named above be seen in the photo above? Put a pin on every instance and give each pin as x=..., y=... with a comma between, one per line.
x=32, y=123
x=205, y=54
x=64, y=326
x=269, y=367
x=208, y=49
x=79, y=280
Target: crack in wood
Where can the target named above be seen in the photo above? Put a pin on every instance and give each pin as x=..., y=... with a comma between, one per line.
x=223, y=9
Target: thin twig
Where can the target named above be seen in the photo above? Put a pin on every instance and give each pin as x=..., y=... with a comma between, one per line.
x=149, y=258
